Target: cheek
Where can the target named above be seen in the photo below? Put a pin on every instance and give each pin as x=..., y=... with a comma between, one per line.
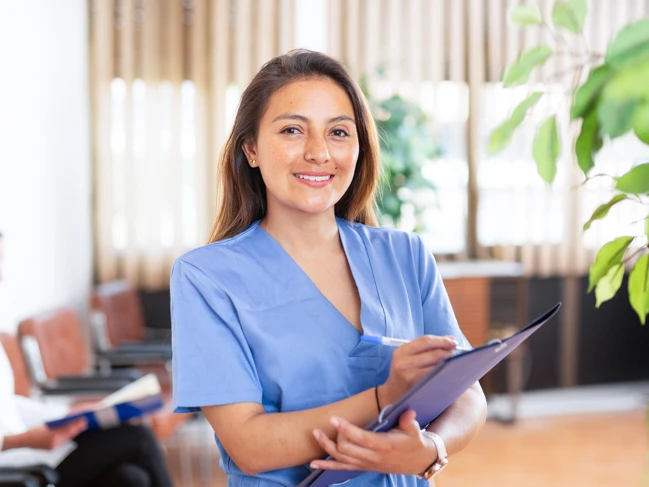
x=345, y=157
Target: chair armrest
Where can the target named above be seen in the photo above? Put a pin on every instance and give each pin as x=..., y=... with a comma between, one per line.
x=43, y=474
x=161, y=349
x=132, y=358
x=84, y=386
x=18, y=480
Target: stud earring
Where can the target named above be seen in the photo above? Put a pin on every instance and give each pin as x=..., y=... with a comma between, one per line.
x=253, y=162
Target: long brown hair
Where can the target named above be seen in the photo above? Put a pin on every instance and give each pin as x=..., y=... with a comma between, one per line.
x=242, y=195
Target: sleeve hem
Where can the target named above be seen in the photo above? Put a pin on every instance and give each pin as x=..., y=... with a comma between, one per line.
x=192, y=402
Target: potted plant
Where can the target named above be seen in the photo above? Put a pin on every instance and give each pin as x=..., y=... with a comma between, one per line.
x=407, y=143
x=611, y=101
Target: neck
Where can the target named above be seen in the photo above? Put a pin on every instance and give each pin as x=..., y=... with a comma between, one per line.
x=303, y=234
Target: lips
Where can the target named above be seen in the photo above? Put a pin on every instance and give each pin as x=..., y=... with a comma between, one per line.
x=314, y=177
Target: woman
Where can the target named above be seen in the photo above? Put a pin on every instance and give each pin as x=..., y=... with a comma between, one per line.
x=267, y=319
x=128, y=456
x=124, y=456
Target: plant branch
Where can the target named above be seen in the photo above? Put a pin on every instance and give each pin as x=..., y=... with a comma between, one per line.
x=638, y=251
x=596, y=176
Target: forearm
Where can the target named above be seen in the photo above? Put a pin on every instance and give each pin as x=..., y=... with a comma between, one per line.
x=462, y=421
x=279, y=440
x=15, y=441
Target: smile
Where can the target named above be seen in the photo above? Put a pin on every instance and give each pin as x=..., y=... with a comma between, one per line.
x=314, y=178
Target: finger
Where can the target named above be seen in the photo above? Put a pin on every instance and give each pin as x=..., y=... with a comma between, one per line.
x=348, y=432
x=332, y=465
x=331, y=448
x=76, y=427
x=427, y=343
x=423, y=360
x=408, y=423
x=353, y=442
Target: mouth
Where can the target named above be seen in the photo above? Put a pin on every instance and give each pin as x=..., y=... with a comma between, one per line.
x=313, y=178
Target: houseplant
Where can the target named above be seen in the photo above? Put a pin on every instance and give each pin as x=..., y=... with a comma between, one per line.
x=407, y=142
x=611, y=101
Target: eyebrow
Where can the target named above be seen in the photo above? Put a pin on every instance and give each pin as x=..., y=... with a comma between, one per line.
x=295, y=116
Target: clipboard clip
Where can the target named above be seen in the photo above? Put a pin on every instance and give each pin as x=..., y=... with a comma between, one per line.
x=383, y=412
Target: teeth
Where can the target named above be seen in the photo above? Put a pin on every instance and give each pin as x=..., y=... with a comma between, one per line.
x=314, y=178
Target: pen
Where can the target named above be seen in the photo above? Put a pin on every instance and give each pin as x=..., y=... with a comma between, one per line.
x=397, y=342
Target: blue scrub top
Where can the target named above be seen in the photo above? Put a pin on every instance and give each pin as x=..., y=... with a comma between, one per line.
x=248, y=325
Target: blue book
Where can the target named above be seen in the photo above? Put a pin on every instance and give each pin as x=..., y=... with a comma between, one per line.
x=437, y=390
x=137, y=399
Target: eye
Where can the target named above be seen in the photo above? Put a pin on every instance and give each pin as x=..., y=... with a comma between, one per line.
x=291, y=131
x=340, y=133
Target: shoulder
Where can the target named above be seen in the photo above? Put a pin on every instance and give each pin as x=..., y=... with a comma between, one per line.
x=397, y=241
x=218, y=257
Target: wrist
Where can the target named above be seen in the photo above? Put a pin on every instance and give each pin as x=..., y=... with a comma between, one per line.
x=10, y=442
x=382, y=397
x=435, y=445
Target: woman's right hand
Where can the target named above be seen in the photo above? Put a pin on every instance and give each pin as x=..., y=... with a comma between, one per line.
x=410, y=362
x=44, y=438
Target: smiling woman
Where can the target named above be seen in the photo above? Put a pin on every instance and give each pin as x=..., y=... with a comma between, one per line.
x=267, y=319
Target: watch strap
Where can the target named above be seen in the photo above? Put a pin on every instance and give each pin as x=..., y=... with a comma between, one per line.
x=442, y=458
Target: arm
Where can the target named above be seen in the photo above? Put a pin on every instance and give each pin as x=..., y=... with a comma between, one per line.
x=462, y=421
x=404, y=449
x=35, y=413
x=259, y=442
x=43, y=438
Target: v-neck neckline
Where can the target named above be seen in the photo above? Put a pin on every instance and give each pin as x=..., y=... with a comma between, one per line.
x=355, y=276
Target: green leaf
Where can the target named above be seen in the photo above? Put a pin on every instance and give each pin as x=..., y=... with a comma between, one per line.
x=503, y=134
x=519, y=72
x=609, y=284
x=608, y=256
x=546, y=149
x=635, y=181
x=628, y=83
x=523, y=15
x=616, y=117
x=586, y=95
x=630, y=44
x=639, y=288
x=641, y=123
x=588, y=142
x=603, y=210
x=569, y=15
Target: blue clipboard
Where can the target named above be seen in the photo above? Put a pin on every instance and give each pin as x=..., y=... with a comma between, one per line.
x=437, y=390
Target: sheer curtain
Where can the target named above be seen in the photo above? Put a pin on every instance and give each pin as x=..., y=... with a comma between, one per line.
x=165, y=74
x=449, y=56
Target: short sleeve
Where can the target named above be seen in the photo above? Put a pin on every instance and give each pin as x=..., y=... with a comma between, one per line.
x=439, y=318
x=212, y=361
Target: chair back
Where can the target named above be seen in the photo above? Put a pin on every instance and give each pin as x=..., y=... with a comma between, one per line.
x=22, y=381
x=61, y=342
x=120, y=305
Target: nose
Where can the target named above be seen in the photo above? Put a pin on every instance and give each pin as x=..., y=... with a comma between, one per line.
x=316, y=150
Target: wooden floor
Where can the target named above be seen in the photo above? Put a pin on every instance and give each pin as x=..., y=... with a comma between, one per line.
x=595, y=450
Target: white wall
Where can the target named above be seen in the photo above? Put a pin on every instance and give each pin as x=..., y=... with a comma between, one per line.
x=45, y=169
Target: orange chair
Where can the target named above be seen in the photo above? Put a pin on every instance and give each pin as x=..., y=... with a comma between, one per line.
x=163, y=422
x=118, y=304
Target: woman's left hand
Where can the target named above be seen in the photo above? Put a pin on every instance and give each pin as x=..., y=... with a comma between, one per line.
x=402, y=450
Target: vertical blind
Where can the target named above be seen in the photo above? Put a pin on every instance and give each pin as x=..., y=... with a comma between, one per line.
x=164, y=74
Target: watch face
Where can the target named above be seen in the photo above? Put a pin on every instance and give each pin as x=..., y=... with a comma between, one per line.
x=436, y=468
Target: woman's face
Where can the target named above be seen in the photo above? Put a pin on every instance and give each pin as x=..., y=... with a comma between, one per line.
x=307, y=146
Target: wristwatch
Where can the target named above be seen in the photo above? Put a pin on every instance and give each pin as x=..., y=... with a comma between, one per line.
x=442, y=459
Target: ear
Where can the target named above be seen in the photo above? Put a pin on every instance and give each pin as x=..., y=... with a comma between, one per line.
x=250, y=150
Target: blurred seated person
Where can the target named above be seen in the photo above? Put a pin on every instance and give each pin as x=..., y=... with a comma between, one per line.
x=125, y=456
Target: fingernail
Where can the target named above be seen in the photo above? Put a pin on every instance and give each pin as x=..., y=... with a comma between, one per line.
x=313, y=465
x=335, y=422
x=316, y=434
